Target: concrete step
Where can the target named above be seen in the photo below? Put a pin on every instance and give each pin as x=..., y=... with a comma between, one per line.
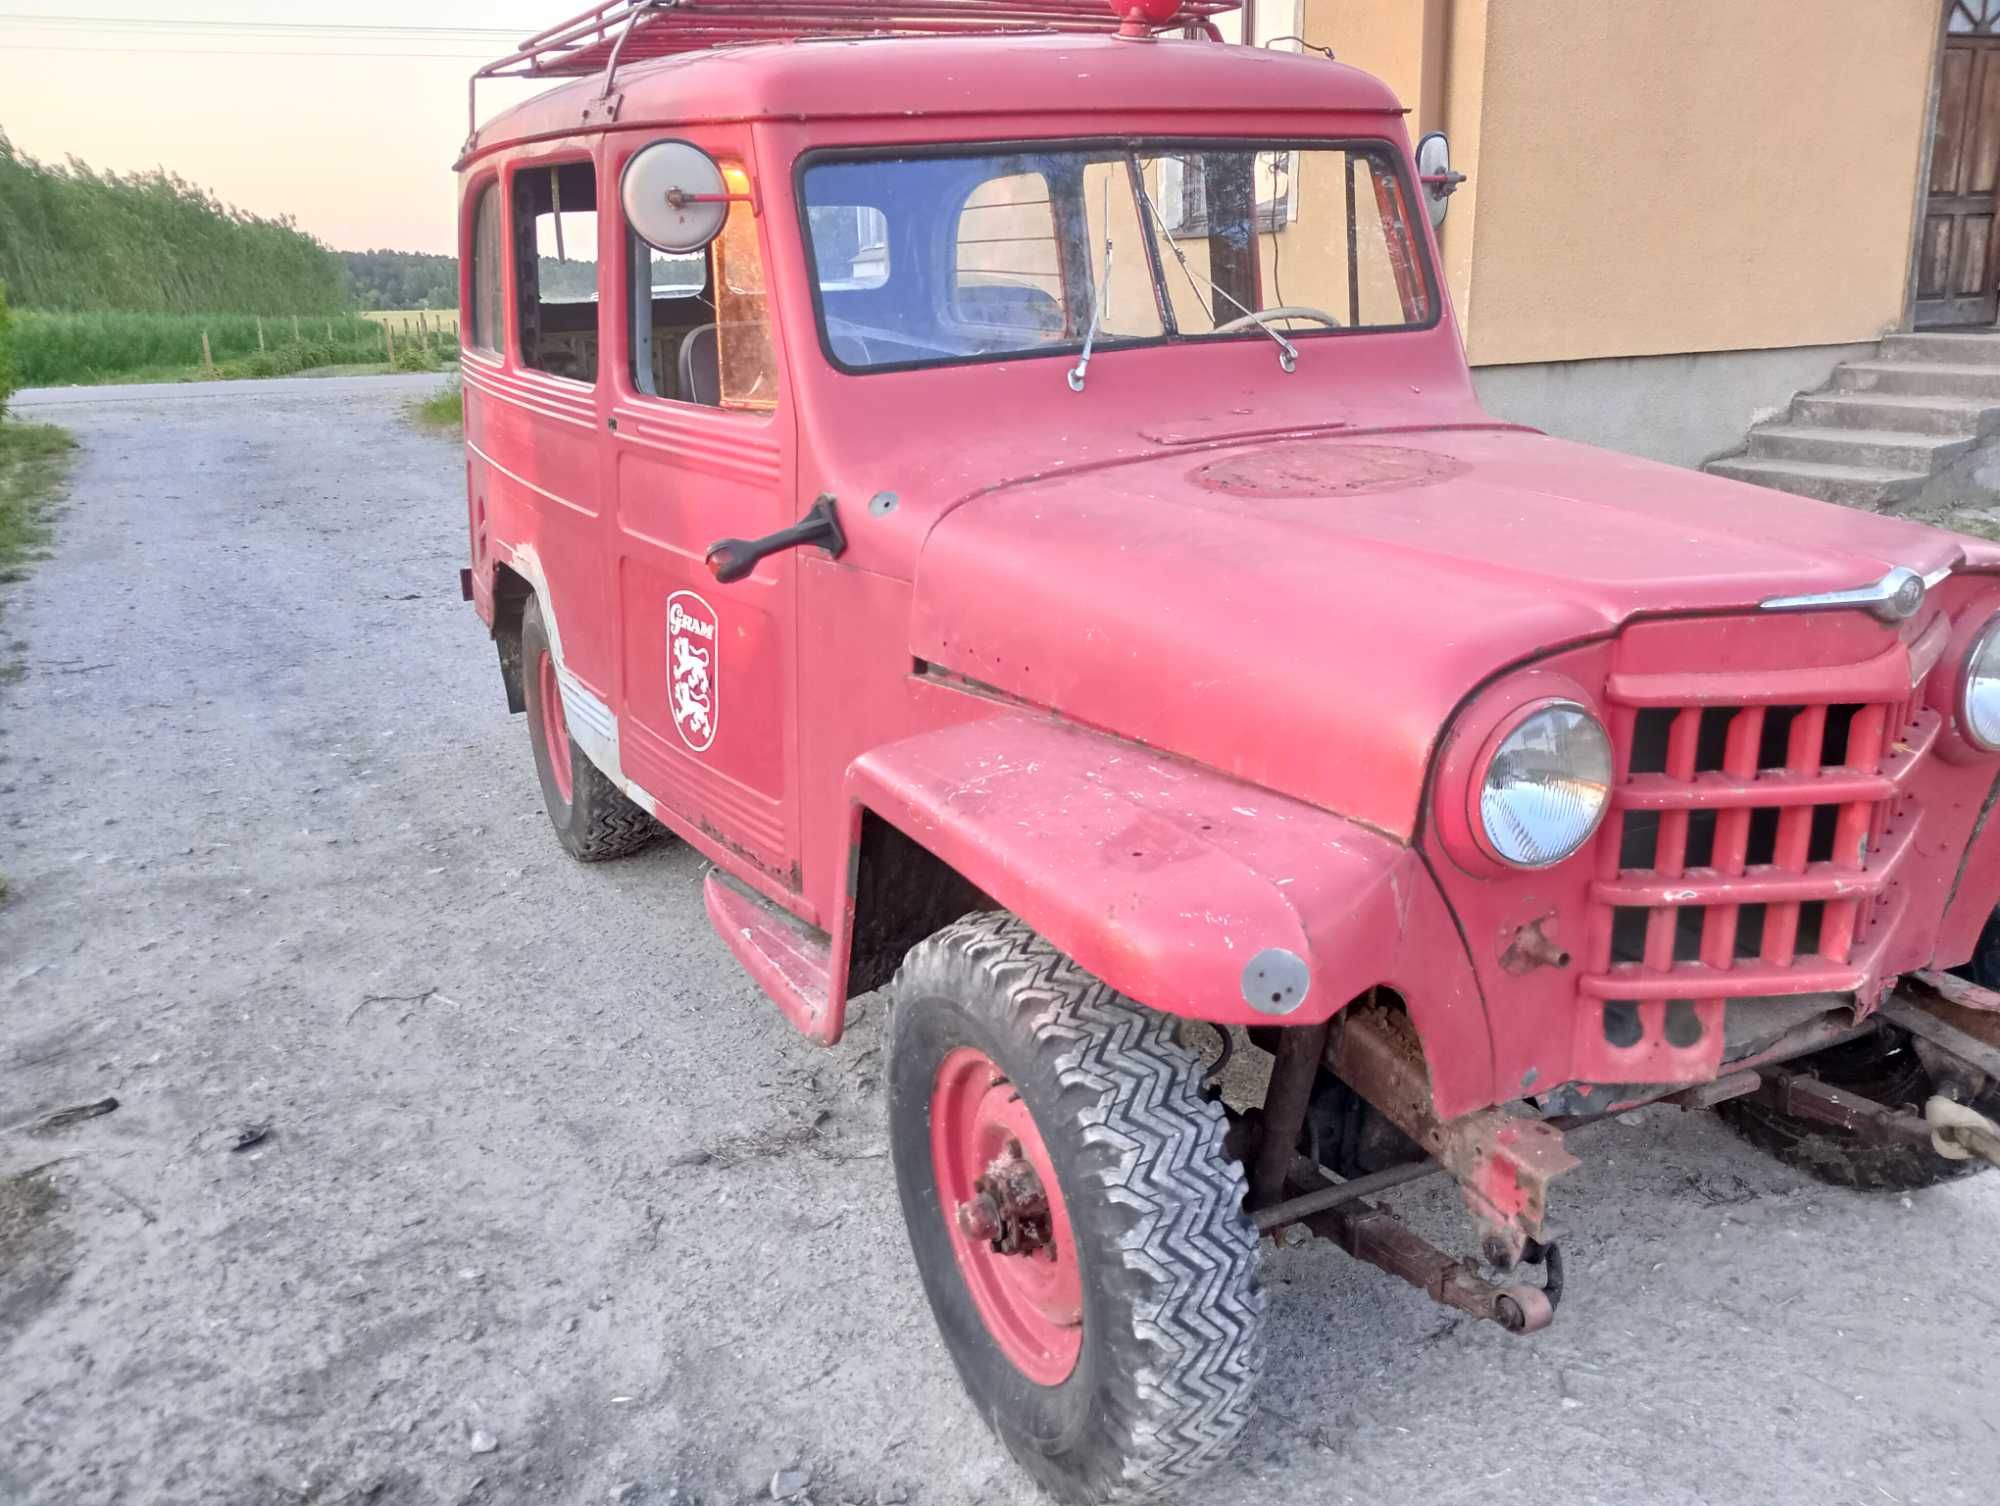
x=1952, y=348
x=1928, y=378
x=1907, y=412
x=1851, y=485
x=1876, y=449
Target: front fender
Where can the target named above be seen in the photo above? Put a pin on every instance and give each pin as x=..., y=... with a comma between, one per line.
x=1182, y=888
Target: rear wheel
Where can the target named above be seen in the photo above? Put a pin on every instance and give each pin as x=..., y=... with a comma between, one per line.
x=1077, y=1224
x=592, y=817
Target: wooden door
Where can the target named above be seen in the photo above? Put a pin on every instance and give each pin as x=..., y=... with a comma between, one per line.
x=1958, y=254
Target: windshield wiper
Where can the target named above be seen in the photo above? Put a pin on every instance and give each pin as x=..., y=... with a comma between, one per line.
x=1098, y=295
x=1288, y=353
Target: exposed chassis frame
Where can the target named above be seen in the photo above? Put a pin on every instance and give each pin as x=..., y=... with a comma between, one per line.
x=1504, y=1161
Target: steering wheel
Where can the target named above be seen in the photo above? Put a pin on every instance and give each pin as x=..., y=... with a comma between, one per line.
x=1282, y=311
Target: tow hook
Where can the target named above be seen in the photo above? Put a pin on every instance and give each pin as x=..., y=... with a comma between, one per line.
x=1959, y=1133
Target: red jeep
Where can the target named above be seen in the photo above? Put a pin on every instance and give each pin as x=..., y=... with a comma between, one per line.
x=1001, y=479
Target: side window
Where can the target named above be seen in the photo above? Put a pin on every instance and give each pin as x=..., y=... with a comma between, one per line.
x=1007, y=264
x=482, y=330
x=555, y=260
x=701, y=324
x=850, y=247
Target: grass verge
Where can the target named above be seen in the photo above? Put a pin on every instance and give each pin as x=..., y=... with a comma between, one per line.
x=33, y=460
x=442, y=410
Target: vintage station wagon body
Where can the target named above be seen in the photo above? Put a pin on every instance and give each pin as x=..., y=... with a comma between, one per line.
x=1193, y=661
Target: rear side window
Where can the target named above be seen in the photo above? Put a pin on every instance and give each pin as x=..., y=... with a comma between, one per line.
x=483, y=326
x=555, y=261
x=1007, y=266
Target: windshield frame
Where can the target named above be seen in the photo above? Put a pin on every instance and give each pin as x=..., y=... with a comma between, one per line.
x=1068, y=349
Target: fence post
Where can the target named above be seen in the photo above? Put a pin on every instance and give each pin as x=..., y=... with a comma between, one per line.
x=389, y=339
x=295, y=329
x=207, y=360
x=260, y=331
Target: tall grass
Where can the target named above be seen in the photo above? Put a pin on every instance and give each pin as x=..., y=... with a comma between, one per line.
x=8, y=379
x=51, y=349
x=75, y=238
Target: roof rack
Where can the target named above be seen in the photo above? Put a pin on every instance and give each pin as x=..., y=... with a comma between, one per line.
x=628, y=31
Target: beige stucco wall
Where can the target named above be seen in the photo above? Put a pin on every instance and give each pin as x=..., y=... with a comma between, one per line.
x=1664, y=176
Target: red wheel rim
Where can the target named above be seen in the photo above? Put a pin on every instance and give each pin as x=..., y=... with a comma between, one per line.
x=555, y=730
x=984, y=1138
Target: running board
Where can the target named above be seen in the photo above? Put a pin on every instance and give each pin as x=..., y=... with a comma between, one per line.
x=789, y=959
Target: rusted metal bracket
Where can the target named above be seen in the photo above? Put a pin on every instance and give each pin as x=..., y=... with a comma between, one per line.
x=1377, y=1236
x=1806, y=1097
x=1503, y=1163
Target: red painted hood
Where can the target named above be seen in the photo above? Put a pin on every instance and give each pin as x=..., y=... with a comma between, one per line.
x=1306, y=615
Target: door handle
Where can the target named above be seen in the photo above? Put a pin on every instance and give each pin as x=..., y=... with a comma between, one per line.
x=731, y=559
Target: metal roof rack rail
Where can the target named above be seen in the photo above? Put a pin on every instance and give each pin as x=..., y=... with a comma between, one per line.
x=627, y=31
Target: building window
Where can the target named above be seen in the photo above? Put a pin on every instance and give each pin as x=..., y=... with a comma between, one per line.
x=555, y=268
x=1974, y=18
x=482, y=329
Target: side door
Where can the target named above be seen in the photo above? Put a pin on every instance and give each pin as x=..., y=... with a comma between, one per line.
x=701, y=449
x=532, y=433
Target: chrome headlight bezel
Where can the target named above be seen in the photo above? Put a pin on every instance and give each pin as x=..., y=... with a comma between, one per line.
x=1481, y=799
x=1983, y=653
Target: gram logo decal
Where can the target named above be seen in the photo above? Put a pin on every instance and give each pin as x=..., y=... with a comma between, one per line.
x=691, y=668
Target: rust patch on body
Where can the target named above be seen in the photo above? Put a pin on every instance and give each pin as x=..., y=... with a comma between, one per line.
x=1326, y=468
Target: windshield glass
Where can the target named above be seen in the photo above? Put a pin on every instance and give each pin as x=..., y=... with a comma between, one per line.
x=929, y=258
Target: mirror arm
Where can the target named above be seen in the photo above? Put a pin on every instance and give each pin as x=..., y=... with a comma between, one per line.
x=729, y=560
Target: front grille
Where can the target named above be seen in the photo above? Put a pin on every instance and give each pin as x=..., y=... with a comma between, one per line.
x=1756, y=826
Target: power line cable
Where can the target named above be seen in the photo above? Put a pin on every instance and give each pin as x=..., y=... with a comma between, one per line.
x=251, y=28
x=246, y=52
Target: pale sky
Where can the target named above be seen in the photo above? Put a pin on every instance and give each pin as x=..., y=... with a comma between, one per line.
x=355, y=139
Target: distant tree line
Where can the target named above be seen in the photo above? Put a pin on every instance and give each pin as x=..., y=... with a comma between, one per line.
x=402, y=279
x=74, y=238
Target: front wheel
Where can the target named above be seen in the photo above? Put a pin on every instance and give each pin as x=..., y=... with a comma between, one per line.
x=1077, y=1224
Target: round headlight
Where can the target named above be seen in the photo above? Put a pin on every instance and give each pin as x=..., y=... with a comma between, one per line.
x=1548, y=782
x=1979, y=692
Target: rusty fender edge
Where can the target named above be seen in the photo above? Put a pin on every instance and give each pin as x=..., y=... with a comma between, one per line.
x=1184, y=889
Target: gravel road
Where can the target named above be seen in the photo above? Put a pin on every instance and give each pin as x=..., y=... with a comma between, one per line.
x=551, y=1203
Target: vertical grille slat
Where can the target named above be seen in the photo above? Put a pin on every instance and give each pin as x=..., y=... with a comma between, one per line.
x=1732, y=836
x=1781, y=921
x=1670, y=854
x=1850, y=834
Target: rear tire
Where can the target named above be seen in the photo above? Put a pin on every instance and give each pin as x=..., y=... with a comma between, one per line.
x=1879, y=1067
x=592, y=818
x=1118, y=1357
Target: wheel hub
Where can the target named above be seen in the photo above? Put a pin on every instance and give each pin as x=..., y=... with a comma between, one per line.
x=1009, y=1208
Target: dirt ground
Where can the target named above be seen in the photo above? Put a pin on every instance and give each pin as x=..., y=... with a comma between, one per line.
x=550, y=1205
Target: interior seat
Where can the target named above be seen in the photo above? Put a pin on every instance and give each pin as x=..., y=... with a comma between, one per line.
x=700, y=367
